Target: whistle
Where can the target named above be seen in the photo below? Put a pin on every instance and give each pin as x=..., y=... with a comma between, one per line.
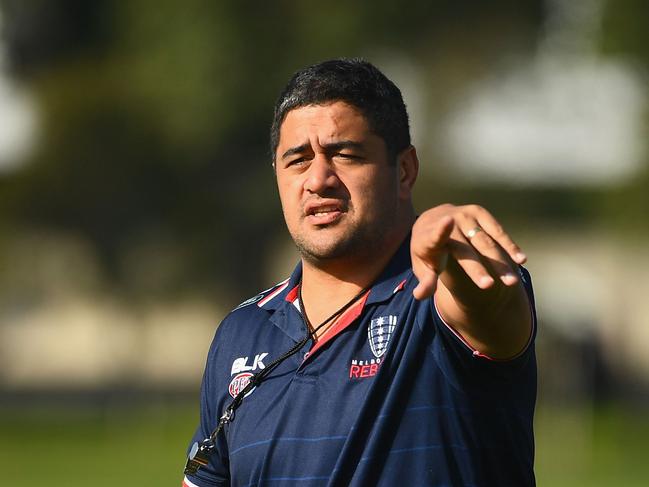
x=199, y=456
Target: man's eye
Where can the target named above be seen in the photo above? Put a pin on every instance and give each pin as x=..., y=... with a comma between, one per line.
x=296, y=162
x=345, y=155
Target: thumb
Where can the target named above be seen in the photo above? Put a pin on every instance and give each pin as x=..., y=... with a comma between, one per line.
x=426, y=286
x=430, y=255
x=429, y=243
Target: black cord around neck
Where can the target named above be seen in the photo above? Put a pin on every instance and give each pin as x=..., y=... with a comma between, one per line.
x=201, y=452
x=312, y=331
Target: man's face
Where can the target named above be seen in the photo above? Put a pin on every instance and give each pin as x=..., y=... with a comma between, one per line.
x=338, y=190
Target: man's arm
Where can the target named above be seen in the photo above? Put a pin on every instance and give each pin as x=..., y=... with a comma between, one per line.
x=463, y=257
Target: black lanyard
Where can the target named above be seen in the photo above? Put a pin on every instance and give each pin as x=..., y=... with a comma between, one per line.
x=200, y=453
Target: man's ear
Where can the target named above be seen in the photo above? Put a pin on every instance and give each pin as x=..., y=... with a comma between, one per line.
x=408, y=168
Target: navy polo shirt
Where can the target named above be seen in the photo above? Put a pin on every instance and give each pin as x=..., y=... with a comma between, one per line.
x=391, y=396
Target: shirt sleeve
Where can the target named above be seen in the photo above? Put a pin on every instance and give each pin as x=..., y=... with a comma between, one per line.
x=467, y=368
x=216, y=472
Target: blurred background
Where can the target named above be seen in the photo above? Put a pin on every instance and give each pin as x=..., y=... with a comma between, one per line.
x=137, y=206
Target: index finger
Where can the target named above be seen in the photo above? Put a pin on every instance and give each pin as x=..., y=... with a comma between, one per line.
x=495, y=230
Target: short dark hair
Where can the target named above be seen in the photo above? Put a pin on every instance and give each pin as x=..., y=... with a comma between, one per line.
x=356, y=82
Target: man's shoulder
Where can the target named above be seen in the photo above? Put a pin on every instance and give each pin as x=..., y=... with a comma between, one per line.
x=266, y=299
x=245, y=320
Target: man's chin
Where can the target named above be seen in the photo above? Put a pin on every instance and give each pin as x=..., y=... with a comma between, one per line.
x=331, y=252
x=321, y=255
x=324, y=252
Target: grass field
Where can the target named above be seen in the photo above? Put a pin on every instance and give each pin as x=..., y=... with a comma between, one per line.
x=145, y=447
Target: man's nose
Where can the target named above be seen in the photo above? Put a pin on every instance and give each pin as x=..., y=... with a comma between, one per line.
x=321, y=175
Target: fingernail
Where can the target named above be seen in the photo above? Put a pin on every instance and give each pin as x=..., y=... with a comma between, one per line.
x=521, y=257
x=508, y=279
x=486, y=281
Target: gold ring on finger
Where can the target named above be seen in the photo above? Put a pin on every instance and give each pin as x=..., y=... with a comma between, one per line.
x=473, y=232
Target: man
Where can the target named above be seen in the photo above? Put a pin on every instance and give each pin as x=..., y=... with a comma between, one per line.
x=411, y=338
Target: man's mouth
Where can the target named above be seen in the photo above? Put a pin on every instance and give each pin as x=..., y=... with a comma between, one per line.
x=324, y=214
x=325, y=210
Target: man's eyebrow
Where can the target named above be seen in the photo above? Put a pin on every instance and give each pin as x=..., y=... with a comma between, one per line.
x=329, y=147
x=298, y=149
x=342, y=144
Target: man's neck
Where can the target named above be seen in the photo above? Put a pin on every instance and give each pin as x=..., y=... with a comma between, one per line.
x=328, y=286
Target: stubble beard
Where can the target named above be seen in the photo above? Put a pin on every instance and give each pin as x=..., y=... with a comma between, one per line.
x=358, y=242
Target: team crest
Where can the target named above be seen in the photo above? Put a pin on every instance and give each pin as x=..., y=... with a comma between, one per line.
x=379, y=333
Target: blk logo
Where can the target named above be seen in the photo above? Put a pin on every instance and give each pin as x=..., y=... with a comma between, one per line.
x=241, y=364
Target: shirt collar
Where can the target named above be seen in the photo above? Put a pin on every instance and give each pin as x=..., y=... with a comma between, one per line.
x=288, y=293
x=391, y=280
x=395, y=275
